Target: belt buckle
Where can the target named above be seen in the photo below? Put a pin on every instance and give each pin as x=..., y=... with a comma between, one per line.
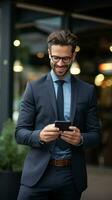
x=60, y=163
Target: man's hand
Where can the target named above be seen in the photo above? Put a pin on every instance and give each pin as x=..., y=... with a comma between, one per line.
x=73, y=136
x=49, y=133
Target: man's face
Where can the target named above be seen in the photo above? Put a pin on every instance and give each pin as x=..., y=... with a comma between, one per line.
x=61, y=58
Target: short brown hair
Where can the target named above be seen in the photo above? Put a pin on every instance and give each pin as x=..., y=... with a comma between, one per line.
x=62, y=37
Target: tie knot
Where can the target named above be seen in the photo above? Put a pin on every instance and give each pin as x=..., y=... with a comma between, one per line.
x=60, y=82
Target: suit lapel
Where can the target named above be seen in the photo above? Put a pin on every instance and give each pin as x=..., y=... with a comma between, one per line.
x=51, y=93
x=74, y=94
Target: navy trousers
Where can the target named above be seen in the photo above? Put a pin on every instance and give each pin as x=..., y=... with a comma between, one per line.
x=56, y=184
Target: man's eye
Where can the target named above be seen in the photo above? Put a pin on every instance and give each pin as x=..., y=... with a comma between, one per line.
x=65, y=58
x=56, y=58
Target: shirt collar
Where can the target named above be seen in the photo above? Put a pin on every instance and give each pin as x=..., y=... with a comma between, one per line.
x=67, y=78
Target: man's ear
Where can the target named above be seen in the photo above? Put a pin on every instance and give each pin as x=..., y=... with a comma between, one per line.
x=49, y=54
x=74, y=55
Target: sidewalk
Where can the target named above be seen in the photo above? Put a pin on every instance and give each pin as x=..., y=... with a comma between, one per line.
x=99, y=184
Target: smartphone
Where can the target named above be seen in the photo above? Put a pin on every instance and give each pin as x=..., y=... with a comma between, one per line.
x=63, y=125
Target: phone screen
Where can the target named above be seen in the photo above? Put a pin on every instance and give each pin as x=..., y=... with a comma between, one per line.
x=63, y=125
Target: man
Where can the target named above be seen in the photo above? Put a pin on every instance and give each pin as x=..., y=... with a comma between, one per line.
x=55, y=166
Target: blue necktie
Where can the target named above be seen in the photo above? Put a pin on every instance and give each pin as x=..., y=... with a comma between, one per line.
x=60, y=100
x=60, y=111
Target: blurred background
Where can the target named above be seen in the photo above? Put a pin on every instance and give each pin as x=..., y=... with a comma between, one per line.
x=24, y=28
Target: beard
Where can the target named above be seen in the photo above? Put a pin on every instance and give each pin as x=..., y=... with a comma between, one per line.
x=53, y=66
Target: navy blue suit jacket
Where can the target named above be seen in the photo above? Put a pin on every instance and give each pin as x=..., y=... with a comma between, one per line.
x=38, y=109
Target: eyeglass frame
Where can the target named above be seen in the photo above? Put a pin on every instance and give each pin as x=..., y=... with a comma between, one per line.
x=62, y=58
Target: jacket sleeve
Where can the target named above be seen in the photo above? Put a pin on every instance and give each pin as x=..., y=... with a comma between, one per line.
x=25, y=133
x=92, y=134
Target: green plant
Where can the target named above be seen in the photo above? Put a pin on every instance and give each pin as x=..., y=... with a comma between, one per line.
x=11, y=154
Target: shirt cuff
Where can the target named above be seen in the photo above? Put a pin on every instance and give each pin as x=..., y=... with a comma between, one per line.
x=42, y=142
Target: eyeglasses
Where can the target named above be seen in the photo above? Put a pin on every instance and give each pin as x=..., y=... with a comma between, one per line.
x=65, y=59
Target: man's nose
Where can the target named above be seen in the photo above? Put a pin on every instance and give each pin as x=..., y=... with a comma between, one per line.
x=60, y=62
